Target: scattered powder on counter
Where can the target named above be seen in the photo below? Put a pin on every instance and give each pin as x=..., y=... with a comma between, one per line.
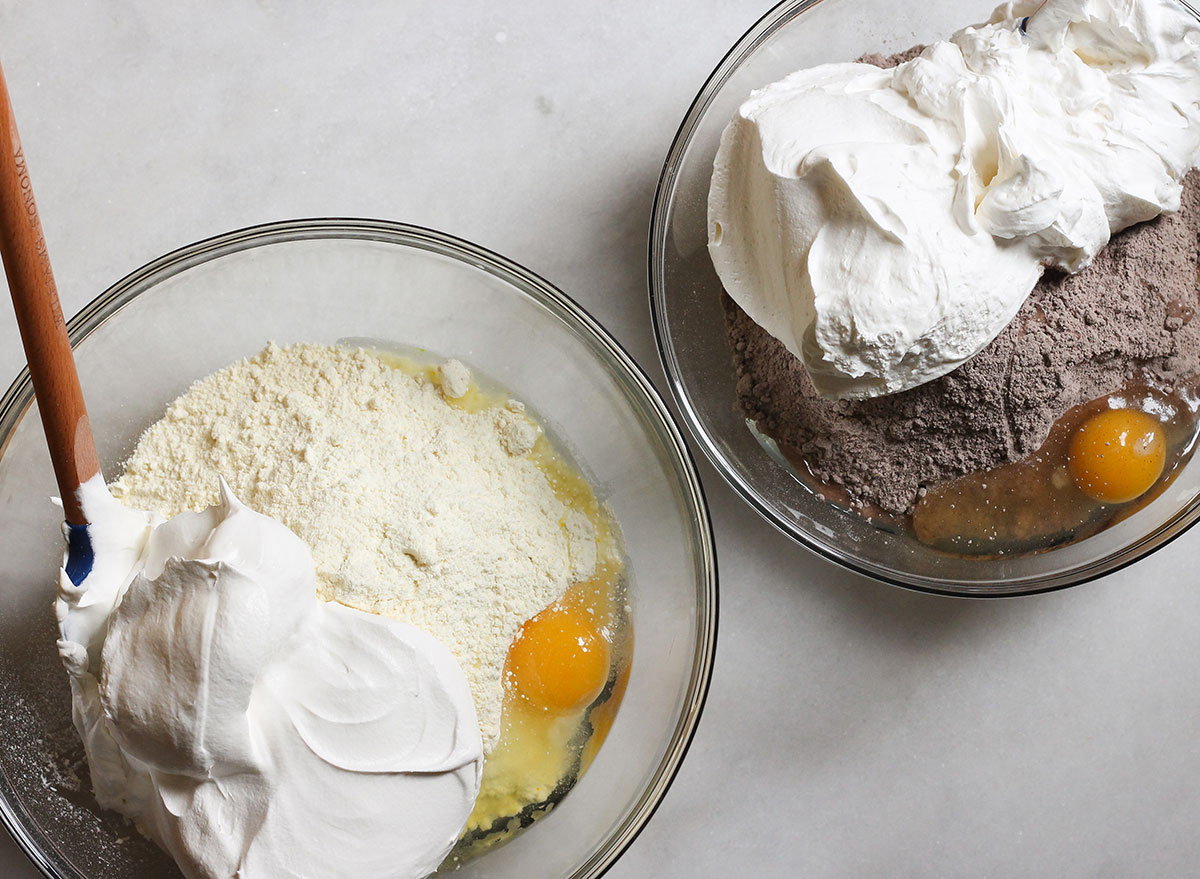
x=1076, y=338
x=413, y=508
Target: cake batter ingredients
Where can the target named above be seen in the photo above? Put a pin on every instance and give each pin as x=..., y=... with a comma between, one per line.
x=1077, y=337
x=249, y=728
x=886, y=225
x=417, y=503
x=1101, y=463
x=1117, y=455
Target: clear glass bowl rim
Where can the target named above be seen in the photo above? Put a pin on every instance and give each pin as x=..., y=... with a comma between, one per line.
x=19, y=396
x=777, y=17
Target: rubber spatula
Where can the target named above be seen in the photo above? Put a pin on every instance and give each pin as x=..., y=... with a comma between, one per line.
x=44, y=334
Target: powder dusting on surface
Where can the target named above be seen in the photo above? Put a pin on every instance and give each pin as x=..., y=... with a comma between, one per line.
x=1078, y=337
x=413, y=508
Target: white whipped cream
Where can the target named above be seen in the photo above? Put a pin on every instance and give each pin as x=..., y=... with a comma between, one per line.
x=885, y=225
x=249, y=728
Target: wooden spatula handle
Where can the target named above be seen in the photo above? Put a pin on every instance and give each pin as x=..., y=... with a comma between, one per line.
x=40, y=318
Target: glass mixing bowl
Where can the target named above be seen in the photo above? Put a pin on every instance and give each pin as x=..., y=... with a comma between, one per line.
x=689, y=324
x=178, y=319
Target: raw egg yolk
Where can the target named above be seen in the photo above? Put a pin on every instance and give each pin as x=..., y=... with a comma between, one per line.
x=1116, y=455
x=559, y=660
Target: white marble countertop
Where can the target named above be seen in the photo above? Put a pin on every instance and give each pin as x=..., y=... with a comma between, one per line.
x=852, y=729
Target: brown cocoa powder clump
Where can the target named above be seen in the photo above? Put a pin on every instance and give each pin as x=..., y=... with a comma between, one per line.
x=1077, y=337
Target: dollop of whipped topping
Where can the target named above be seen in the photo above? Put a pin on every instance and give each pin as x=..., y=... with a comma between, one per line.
x=885, y=225
x=249, y=728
